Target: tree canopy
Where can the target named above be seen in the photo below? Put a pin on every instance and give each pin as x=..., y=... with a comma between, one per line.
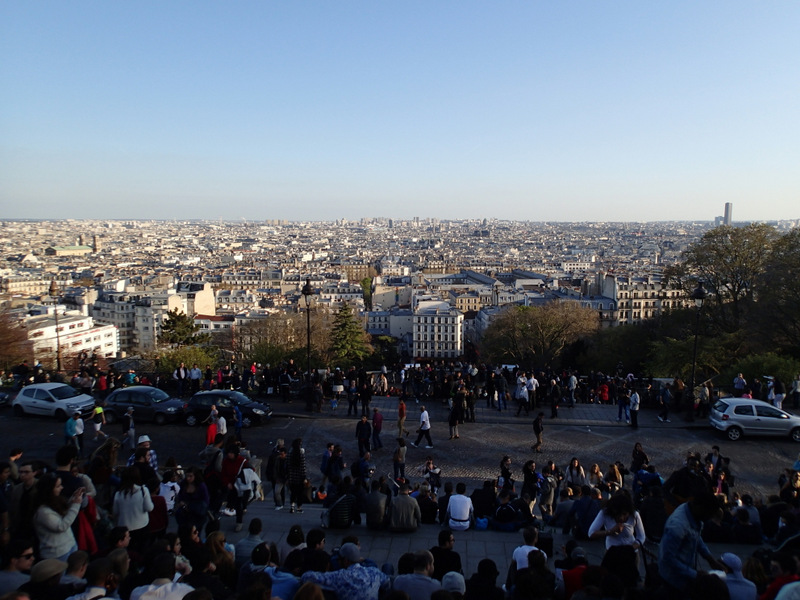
x=537, y=335
x=179, y=329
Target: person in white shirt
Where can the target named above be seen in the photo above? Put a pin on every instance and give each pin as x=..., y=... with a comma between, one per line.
x=519, y=558
x=460, y=511
x=619, y=523
x=424, y=428
x=163, y=586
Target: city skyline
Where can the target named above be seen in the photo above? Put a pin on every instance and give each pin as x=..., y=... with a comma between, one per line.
x=530, y=112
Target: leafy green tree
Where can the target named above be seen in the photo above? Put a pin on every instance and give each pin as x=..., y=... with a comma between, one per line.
x=778, y=314
x=537, y=335
x=758, y=365
x=168, y=361
x=179, y=329
x=366, y=287
x=730, y=261
x=349, y=343
x=386, y=353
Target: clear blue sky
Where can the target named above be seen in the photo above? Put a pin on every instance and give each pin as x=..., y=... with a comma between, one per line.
x=542, y=110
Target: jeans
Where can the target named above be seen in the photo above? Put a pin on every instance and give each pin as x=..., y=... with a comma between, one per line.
x=623, y=407
x=279, y=492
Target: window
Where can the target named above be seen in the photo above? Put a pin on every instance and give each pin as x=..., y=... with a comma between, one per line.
x=746, y=410
x=769, y=412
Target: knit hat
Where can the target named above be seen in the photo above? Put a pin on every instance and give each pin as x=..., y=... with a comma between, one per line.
x=454, y=582
x=350, y=552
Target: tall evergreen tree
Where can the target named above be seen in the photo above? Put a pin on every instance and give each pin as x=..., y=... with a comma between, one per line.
x=179, y=328
x=349, y=342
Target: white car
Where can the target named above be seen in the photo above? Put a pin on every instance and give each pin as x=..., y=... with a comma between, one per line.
x=52, y=400
x=744, y=416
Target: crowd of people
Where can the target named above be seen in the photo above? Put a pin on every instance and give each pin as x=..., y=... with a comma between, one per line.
x=132, y=528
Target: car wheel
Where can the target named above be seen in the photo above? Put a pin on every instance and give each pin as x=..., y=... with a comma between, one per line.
x=111, y=417
x=19, y=411
x=796, y=434
x=191, y=420
x=61, y=415
x=160, y=419
x=246, y=422
x=734, y=434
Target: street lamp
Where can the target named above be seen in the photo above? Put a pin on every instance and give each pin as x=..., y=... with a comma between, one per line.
x=698, y=295
x=54, y=295
x=307, y=292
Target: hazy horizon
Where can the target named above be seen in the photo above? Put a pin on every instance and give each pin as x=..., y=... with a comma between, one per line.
x=529, y=111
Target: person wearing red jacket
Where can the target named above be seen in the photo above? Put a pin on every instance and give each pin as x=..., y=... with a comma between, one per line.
x=232, y=465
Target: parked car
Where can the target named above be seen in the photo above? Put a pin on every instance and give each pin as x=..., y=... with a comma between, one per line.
x=199, y=407
x=52, y=400
x=149, y=404
x=4, y=398
x=744, y=416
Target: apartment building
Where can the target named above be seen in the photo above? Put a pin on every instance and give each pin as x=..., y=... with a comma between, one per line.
x=437, y=330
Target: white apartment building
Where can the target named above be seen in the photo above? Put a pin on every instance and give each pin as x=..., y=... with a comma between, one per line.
x=76, y=333
x=437, y=330
x=640, y=298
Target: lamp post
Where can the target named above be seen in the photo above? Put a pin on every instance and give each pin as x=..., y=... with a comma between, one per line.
x=307, y=292
x=698, y=295
x=54, y=295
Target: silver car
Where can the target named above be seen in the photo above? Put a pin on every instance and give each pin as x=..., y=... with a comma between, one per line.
x=52, y=400
x=744, y=416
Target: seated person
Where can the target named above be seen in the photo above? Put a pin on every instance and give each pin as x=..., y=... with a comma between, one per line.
x=505, y=517
x=427, y=505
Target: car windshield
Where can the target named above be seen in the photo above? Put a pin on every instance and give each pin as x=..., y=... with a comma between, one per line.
x=239, y=398
x=157, y=395
x=63, y=392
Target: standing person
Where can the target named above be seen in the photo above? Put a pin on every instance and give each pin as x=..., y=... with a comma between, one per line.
x=132, y=507
x=681, y=543
x=323, y=465
x=238, y=419
x=211, y=419
x=128, y=428
x=635, y=403
x=779, y=393
x=297, y=475
x=795, y=393
x=531, y=387
x=363, y=435
x=453, y=418
x=739, y=383
x=521, y=393
x=665, y=399
x=180, y=376
x=98, y=419
x=399, y=459
x=401, y=419
x=538, y=430
x=232, y=465
x=80, y=428
x=623, y=403
x=424, y=428
x=555, y=398
x=70, y=433
x=377, y=427
x=195, y=375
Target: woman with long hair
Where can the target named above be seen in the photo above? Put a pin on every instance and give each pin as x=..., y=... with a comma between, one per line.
x=192, y=501
x=297, y=475
x=53, y=518
x=638, y=458
x=530, y=483
x=575, y=476
x=222, y=559
x=612, y=479
x=595, y=477
x=505, y=481
x=621, y=526
x=132, y=506
x=211, y=419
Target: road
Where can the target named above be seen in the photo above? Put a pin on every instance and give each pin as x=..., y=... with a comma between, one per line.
x=589, y=432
